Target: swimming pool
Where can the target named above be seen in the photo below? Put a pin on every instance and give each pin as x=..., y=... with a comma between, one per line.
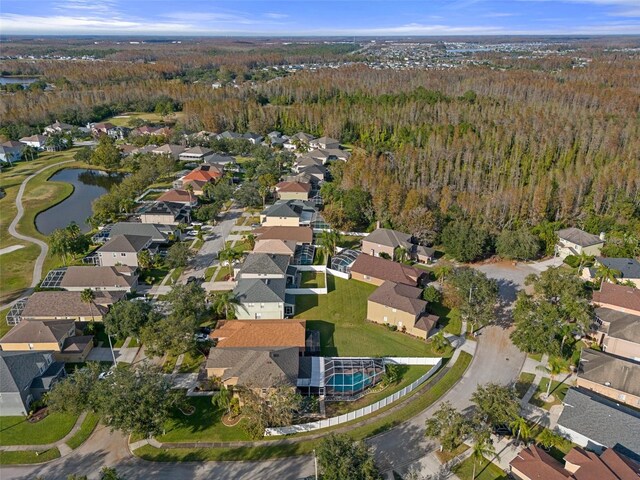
x=349, y=382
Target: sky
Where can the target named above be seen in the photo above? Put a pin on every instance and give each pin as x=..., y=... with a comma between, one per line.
x=319, y=17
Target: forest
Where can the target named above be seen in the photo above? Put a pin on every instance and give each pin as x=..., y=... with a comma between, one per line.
x=508, y=143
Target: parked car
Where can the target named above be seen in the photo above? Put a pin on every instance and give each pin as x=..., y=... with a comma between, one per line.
x=201, y=337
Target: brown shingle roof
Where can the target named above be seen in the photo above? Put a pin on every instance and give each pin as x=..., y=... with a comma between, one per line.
x=60, y=304
x=295, y=187
x=297, y=234
x=382, y=269
x=426, y=322
x=614, y=372
x=618, y=295
x=537, y=464
x=282, y=247
x=260, y=333
x=95, y=277
x=39, y=331
x=176, y=196
x=399, y=296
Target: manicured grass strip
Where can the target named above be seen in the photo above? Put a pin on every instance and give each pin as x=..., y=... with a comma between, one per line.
x=208, y=273
x=485, y=470
x=25, y=457
x=86, y=429
x=444, y=456
x=18, y=431
x=175, y=275
x=524, y=382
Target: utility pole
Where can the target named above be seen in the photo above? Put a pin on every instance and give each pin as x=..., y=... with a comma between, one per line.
x=112, y=352
x=315, y=462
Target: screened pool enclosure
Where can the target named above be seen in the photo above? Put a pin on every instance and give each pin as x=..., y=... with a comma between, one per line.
x=345, y=378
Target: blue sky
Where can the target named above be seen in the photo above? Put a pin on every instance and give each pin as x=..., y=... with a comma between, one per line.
x=319, y=17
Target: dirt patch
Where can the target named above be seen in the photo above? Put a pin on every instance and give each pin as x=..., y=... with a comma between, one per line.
x=230, y=420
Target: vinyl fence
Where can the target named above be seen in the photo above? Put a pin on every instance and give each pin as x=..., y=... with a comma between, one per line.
x=347, y=417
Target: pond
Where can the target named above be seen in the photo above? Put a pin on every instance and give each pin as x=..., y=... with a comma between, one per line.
x=24, y=81
x=88, y=185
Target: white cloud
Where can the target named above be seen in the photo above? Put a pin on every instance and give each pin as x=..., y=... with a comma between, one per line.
x=276, y=16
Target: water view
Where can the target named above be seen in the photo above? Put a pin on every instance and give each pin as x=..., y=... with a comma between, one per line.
x=24, y=81
x=88, y=185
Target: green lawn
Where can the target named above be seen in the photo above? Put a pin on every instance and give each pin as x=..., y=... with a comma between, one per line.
x=535, y=356
x=153, y=276
x=18, y=431
x=175, y=275
x=485, y=470
x=350, y=241
x=191, y=362
x=524, y=382
x=4, y=328
x=340, y=317
x=558, y=390
x=25, y=457
x=86, y=429
x=222, y=274
x=208, y=273
x=312, y=280
x=449, y=317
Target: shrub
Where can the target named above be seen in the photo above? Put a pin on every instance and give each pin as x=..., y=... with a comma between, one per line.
x=572, y=261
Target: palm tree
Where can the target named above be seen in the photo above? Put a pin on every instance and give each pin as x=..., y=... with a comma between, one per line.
x=144, y=259
x=549, y=438
x=401, y=254
x=606, y=274
x=222, y=399
x=482, y=448
x=554, y=368
x=521, y=426
x=88, y=296
x=250, y=239
x=229, y=255
x=328, y=241
x=440, y=343
x=223, y=302
x=442, y=270
x=585, y=260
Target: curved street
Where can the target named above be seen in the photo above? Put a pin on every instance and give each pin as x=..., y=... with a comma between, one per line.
x=44, y=248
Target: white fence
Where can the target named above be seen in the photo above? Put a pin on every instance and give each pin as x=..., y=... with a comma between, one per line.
x=320, y=269
x=347, y=417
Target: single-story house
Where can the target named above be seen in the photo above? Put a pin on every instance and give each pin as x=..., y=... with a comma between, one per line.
x=260, y=334
x=401, y=305
x=293, y=190
x=595, y=422
x=195, y=154
x=275, y=247
x=328, y=154
x=228, y=135
x=618, y=297
x=174, y=151
x=35, y=141
x=325, y=143
x=629, y=269
x=62, y=305
x=221, y=160
x=299, y=138
x=533, y=463
x=573, y=241
x=102, y=128
x=184, y=197
x=101, y=279
x=25, y=377
x=166, y=213
x=610, y=376
x=199, y=177
x=300, y=235
x=123, y=250
x=57, y=336
x=377, y=270
x=618, y=333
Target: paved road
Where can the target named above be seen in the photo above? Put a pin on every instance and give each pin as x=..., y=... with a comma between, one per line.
x=44, y=248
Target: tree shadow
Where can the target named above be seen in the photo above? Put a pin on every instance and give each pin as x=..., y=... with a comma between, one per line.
x=327, y=330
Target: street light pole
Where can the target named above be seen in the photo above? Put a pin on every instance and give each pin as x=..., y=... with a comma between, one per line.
x=315, y=462
x=112, y=352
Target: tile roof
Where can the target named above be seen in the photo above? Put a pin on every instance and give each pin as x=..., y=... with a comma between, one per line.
x=60, y=304
x=297, y=234
x=95, y=277
x=537, y=464
x=254, y=290
x=590, y=466
x=602, y=421
x=255, y=367
x=18, y=369
x=579, y=237
x=628, y=267
x=384, y=269
x=260, y=333
x=389, y=238
x=202, y=175
x=618, y=295
x=177, y=196
x=614, y=372
x=265, y=263
x=399, y=296
x=39, y=331
x=125, y=243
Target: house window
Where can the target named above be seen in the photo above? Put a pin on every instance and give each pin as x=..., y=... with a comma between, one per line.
x=385, y=319
x=399, y=324
x=250, y=305
x=367, y=277
x=123, y=254
x=114, y=255
x=394, y=310
x=262, y=305
x=258, y=316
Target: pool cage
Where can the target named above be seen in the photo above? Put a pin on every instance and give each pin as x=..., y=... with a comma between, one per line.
x=343, y=261
x=346, y=378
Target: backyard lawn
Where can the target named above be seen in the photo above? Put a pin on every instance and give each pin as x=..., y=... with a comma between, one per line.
x=312, y=280
x=18, y=431
x=340, y=317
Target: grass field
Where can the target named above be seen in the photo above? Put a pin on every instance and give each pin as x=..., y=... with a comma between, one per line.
x=123, y=119
x=86, y=429
x=25, y=457
x=449, y=317
x=558, y=390
x=340, y=317
x=18, y=431
x=312, y=280
x=485, y=470
x=524, y=382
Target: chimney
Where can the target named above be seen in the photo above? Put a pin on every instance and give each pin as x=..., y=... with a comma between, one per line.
x=377, y=224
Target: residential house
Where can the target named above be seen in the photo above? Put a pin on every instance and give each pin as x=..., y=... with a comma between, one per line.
x=319, y=172
x=628, y=269
x=292, y=213
x=102, y=128
x=149, y=130
x=123, y=250
x=160, y=234
x=299, y=138
x=165, y=213
x=24, y=378
x=57, y=127
x=573, y=241
x=533, y=463
x=57, y=336
x=325, y=143
x=11, y=151
x=196, y=154
x=610, y=376
x=300, y=235
x=180, y=196
x=618, y=333
x=35, y=141
x=260, y=334
x=618, y=297
x=262, y=299
x=376, y=270
x=62, y=305
x=174, y=151
x=595, y=422
x=100, y=279
x=260, y=369
x=304, y=162
x=224, y=161
x=199, y=177
x=293, y=190
x=387, y=241
x=253, y=138
x=401, y=305
x=262, y=265
x=303, y=178
x=275, y=247
x=228, y=135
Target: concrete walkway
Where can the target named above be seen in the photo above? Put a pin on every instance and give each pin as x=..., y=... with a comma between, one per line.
x=44, y=248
